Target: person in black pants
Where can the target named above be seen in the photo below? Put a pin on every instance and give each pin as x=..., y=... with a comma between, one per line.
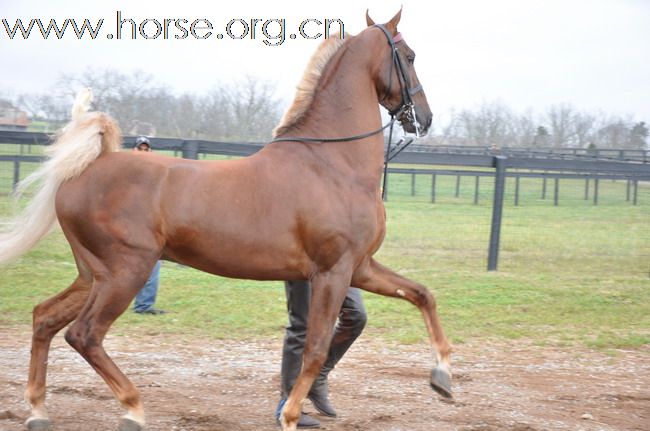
x=350, y=324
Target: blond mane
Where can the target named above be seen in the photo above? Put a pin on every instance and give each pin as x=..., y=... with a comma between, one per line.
x=307, y=87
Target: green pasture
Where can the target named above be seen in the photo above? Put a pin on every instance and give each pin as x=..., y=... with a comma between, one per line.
x=573, y=274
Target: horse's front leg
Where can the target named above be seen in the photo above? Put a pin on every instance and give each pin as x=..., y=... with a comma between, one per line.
x=373, y=277
x=328, y=290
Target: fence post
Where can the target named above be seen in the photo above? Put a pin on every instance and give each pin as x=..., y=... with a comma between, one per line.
x=457, y=186
x=433, y=188
x=497, y=210
x=635, y=192
x=595, y=191
x=544, y=187
x=191, y=150
x=16, y=174
x=587, y=189
x=556, y=191
x=476, y=186
x=413, y=184
x=517, y=190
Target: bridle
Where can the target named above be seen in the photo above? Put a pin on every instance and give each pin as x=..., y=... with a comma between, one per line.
x=405, y=111
x=406, y=107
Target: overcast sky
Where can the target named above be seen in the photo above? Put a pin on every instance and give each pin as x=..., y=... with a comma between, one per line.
x=593, y=54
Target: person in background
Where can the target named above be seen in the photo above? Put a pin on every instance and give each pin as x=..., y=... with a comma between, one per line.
x=142, y=144
x=350, y=324
x=146, y=298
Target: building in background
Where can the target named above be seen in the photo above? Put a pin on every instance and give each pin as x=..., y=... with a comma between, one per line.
x=12, y=118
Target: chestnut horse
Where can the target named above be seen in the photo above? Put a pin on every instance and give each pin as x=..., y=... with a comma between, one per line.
x=307, y=206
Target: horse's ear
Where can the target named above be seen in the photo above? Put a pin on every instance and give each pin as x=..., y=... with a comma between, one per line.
x=392, y=24
x=369, y=20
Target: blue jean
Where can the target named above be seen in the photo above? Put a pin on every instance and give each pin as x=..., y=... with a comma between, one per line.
x=145, y=299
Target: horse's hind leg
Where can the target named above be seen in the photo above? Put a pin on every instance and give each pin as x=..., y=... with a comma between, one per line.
x=109, y=298
x=49, y=317
x=376, y=278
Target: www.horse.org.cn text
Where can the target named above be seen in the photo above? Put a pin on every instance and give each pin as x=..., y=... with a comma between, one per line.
x=270, y=31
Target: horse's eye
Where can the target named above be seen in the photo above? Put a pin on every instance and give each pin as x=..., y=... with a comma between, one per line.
x=411, y=58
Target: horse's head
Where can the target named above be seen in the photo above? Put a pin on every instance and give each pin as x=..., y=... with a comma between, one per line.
x=397, y=83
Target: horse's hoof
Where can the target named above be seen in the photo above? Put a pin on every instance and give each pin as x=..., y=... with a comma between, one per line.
x=129, y=425
x=441, y=382
x=38, y=424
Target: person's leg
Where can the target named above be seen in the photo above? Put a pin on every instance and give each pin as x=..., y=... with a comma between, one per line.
x=349, y=326
x=146, y=297
x=298, y=296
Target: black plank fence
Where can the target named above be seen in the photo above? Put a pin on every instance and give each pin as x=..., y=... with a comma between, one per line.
x=489, y=172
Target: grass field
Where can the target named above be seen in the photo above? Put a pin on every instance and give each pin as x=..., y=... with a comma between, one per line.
x=571, y=274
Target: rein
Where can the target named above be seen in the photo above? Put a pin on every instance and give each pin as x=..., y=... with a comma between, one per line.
x=406, y=108
x=347, y=138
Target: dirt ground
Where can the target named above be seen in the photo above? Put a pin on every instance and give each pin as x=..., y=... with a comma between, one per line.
x=188, y=384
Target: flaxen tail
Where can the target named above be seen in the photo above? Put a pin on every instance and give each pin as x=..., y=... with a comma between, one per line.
x=80, y=142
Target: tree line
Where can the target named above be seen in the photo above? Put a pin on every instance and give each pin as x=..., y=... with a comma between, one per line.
x=493, y=124
x=242, y=110
x=248, y=109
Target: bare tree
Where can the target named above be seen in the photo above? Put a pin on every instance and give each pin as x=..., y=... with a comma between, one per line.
x=490, y=125
x=542, y=137
x=560, y=124
x=252, y=107
x=45, y=107
x=129, y=98
x=243, y=110
x=583, y=127
x=523, y=129
x=639, y=136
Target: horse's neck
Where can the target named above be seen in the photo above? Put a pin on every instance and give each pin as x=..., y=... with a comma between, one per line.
x=345, y=105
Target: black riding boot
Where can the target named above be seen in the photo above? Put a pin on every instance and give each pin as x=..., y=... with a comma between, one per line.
x=298, y=297
x=351, y=322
